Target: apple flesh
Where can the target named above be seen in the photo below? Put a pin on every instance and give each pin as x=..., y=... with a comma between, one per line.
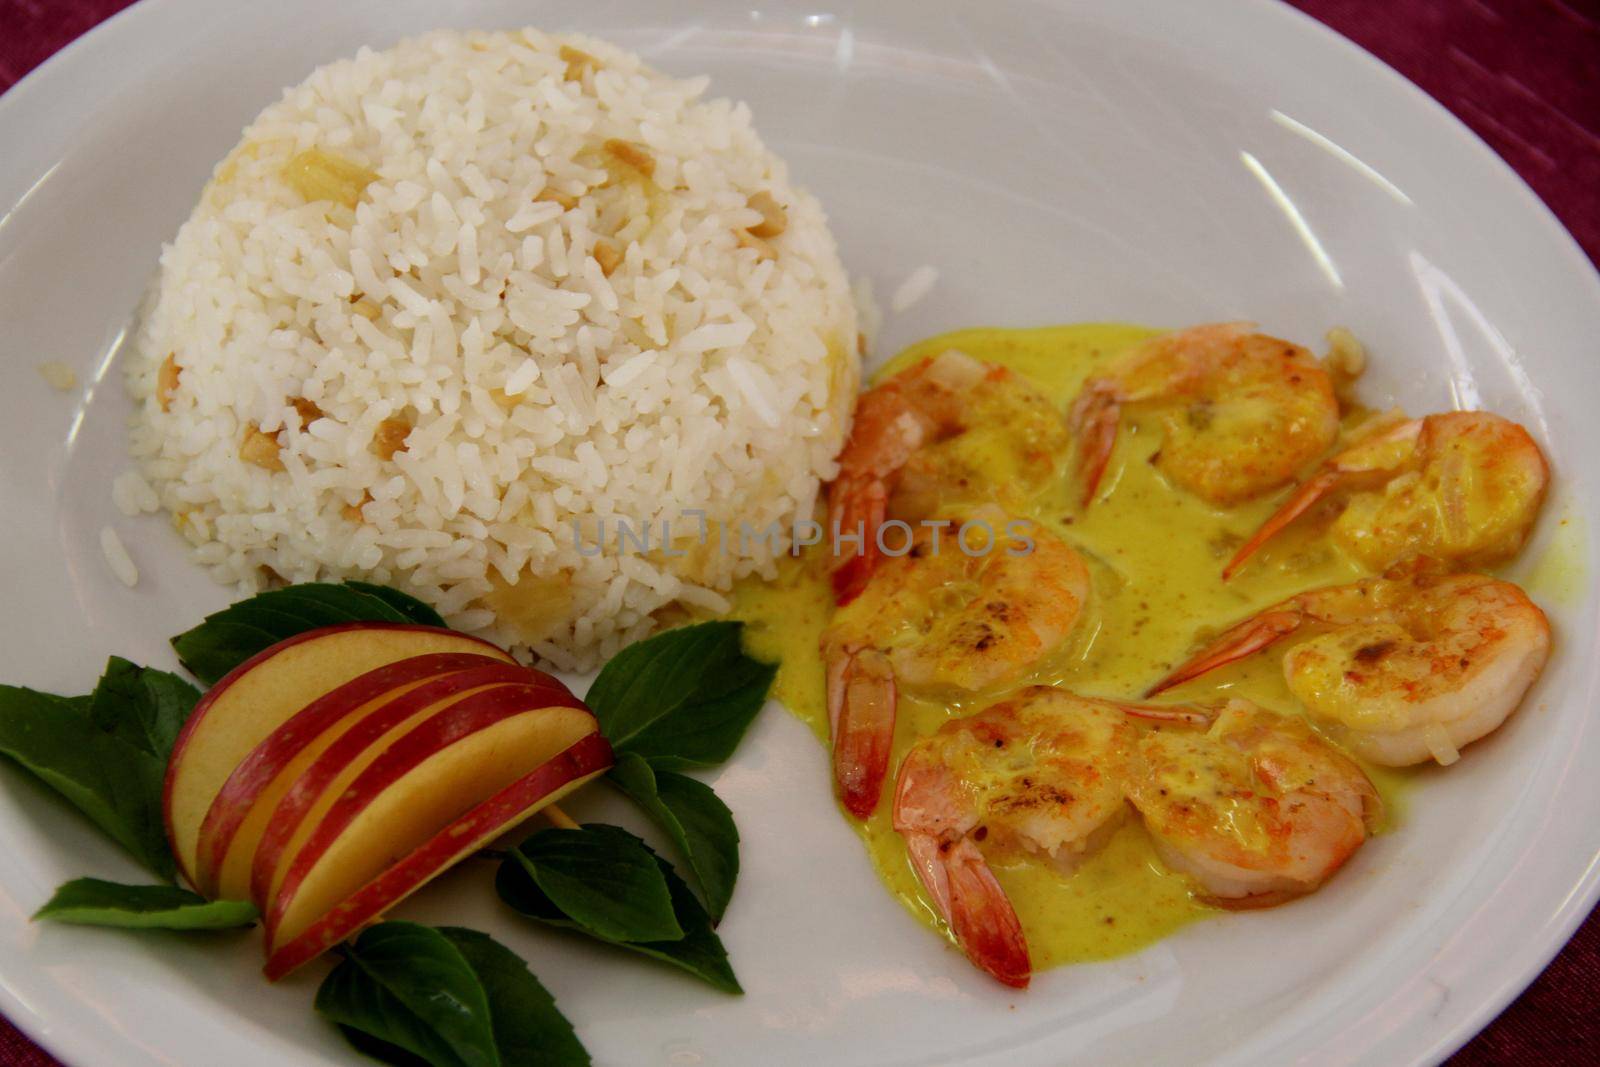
x=239, y=814
x=305, y=802
x=417, y=786
x=263, y=693
x=547, y=783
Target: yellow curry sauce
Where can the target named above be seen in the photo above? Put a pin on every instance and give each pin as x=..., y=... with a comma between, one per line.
x=1155, y=555
x=1558, y=574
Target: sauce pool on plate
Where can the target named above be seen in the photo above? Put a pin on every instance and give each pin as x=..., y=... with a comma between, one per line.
x=1155, y=555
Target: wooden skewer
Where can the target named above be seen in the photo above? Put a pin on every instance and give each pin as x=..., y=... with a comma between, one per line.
x=559, y=818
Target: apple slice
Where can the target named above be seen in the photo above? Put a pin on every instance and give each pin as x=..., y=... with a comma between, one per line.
x=547, y=783
x=259, y=695
x=306, y=798
x=238, y=815
x=409, y=786
x=419, y=786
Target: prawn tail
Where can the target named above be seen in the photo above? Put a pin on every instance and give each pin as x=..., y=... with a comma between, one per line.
x=1093, y=423
x=964, y=890
x=857, y=510
x=1370, y=802
x=861, y=707
x=1253, y=902
x=851, y=578
x=1182, y=714
x=1310, y=491
x=1245, y=639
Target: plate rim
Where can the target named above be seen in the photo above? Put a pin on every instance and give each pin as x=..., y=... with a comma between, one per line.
x=1585, y=896
x=75, y=1044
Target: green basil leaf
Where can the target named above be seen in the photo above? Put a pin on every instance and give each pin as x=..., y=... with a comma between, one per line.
x=699, y=951
x=115, y=783
x=382, y=1051
x=408, y=986
x=229, y=637
x=604, y=878
x=406, y=604
x=682, y=698
x=528, y=1027
x=92, y=902
x=696, y=819
x=143, y=707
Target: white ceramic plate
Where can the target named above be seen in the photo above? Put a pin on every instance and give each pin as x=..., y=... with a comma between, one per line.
x=1164, y=162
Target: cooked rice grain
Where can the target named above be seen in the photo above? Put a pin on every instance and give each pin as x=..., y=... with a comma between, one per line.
x=117, y=558
x=918, y=284
x=59, y=376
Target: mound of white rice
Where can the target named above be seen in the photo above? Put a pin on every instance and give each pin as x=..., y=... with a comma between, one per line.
x=445, y=299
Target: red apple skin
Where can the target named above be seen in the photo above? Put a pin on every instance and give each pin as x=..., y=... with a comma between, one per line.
x=232, y=803
x=585, y=758
x=204, y=705
x=436, y=733
x=303, y=795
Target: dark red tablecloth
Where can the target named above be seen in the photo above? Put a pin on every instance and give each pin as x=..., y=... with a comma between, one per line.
x=1525, y=74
